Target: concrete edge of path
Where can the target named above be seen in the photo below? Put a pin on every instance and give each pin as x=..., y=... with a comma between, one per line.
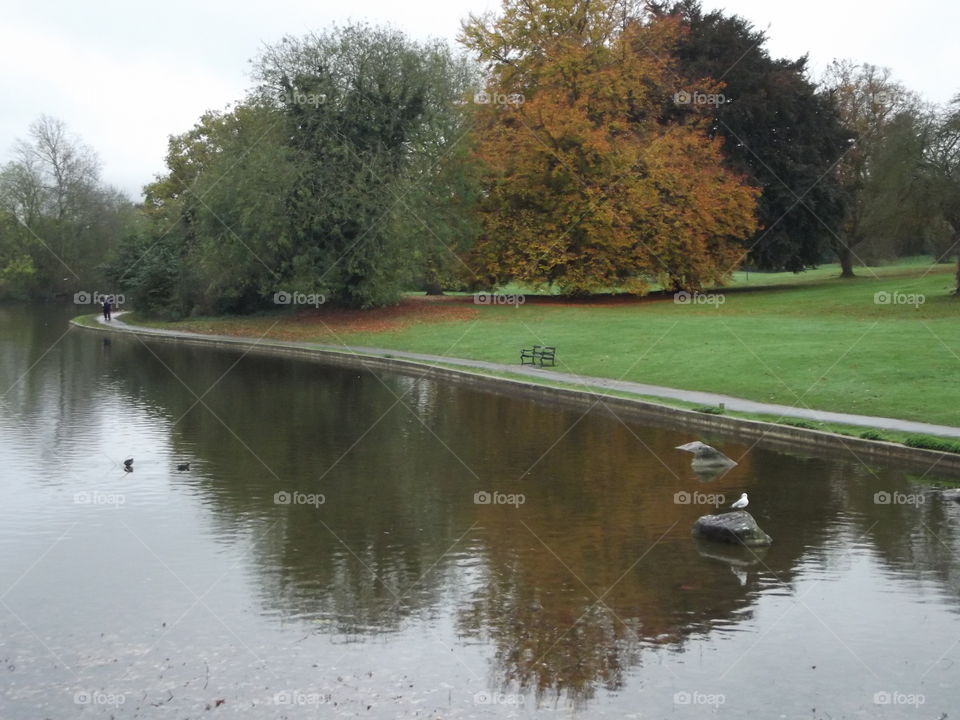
x=758, y=432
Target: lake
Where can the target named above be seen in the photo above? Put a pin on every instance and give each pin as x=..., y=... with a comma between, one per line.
x=348, y=543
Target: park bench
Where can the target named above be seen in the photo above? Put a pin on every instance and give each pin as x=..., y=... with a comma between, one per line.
x=541, y=354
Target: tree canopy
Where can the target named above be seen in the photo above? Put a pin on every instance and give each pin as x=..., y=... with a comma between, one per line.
x=57, y=218
x=340, y=176
x=578, y=145
x=587, y=184
x=778, y=130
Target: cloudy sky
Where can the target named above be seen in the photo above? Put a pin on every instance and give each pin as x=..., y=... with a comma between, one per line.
x=124, y=76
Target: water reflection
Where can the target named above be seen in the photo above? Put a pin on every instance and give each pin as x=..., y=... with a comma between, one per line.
x=572, y=591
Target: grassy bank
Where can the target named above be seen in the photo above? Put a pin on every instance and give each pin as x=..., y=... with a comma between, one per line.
x=812, y=340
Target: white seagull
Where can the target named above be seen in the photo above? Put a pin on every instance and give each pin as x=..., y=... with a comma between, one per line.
x=741, y=503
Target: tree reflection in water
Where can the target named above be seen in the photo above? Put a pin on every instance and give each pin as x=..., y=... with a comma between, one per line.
x=570, y=589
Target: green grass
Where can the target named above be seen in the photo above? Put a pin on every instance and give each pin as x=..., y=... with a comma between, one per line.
x=87, y=320
x=812, y=340
x=933, y=443
x=822, y=344
x=746, y=279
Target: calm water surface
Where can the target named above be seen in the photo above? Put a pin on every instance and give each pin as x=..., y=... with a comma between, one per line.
x=325, y=555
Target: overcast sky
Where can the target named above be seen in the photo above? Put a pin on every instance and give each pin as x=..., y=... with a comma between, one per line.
x=124, y=76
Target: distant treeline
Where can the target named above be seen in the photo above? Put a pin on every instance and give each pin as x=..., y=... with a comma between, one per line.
x=581, y=146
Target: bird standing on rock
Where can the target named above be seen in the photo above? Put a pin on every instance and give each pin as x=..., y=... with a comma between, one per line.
x=741, y=503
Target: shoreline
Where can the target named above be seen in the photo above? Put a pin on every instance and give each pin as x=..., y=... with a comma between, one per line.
x=582, y=395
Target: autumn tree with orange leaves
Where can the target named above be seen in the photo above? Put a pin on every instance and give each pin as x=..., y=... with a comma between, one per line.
x=586, y=184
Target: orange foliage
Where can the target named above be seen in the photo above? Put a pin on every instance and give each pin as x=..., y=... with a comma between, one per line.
x=587, y=184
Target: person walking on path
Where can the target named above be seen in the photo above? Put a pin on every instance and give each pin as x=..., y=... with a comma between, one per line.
x=106, y=309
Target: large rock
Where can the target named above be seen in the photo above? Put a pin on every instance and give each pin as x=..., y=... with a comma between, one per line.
x=705, y=456
x=951, y=494
x=737, y=528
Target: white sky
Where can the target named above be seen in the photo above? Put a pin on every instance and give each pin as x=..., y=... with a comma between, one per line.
x=124, y=76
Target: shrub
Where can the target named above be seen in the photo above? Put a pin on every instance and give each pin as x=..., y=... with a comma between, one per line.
x=929, y=442
x=710, y=410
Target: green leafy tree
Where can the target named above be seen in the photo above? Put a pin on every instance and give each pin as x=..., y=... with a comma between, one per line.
x=910, y=199
x=60, y=219
x=17, y=270
x=898, y=213
x=217, y=224
x=941, y=169
x=868, y=100
x=376, y=126
x=342, y=174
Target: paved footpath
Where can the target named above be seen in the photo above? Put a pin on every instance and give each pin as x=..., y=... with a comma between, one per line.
x=634, y=388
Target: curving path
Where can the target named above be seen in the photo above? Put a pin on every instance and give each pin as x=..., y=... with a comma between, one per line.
x=635, y=388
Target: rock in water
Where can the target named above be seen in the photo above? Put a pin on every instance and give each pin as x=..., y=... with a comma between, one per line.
x=737, y=528
x=951, y=494
x=705, y=456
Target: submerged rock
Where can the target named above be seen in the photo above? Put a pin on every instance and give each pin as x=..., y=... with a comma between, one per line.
x=737, y=528
x=951, y=494
x=736, y=556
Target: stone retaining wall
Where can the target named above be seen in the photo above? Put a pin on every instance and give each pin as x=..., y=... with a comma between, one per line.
x=763, y=434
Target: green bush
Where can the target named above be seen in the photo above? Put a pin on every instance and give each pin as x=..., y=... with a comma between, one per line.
x=710, y=410
x=929, y=442
x=801, y=424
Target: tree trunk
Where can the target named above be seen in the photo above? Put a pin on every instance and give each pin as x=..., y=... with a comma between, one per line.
x=433, y=288
x=956, y=290
x=846, y=262
x=955, y=224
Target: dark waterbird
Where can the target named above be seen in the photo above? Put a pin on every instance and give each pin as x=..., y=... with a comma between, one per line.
x=183, y=466
x=128, y=465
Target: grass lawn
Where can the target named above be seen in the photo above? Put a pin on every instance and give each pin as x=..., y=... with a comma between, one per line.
x=811, y=340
